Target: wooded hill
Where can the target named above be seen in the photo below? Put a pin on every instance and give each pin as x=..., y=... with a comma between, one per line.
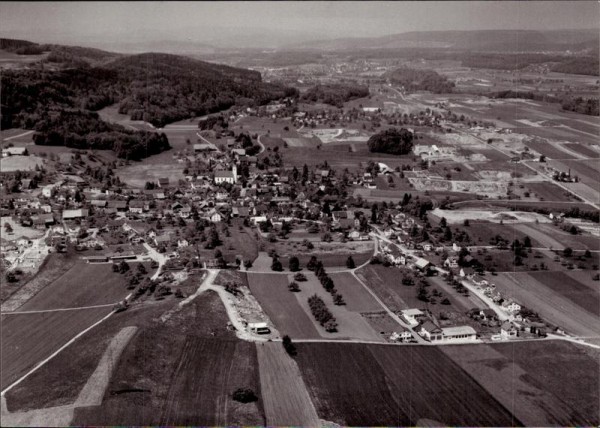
x=421, y=80
x=157, y=88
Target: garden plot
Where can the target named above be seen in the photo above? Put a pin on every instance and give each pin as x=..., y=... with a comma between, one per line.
x=487, y=188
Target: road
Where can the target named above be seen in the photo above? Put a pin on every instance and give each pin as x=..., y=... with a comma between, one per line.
x=262, y=146
x=17, y=136
x=161, y=259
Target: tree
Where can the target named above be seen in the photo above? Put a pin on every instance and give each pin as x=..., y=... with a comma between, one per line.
x=11, y=277
x=289, y=347
x=568, y=252
x=338, y=300
x=244, y=395
x=293, y=287
x=527, y=242
x=312, y=263
x=466, y=222
x=327, y=237
x=123, y=267
x=115, y=268
x=350, y=263
x=276, y=266
x=393, y=141
x=299, y=277
x=8, y=228
x=294, y=264
x=141, y=269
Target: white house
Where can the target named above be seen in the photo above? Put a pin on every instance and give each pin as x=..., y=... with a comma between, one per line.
x=430, y=331
x=508, y=330
x=411, y=315
x=510, y=306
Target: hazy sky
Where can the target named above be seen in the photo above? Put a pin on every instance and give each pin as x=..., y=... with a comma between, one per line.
x=225, y=23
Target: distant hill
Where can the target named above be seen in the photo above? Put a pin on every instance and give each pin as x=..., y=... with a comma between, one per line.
x=483, y=40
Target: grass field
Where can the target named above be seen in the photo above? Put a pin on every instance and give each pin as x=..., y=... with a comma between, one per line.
x=281, y=306
x=84, y=284
x=285, y=397
x=549, y=150
x=374, y=385
x=29, y=338
x=357, y=298
x=553, y=306
x=181, y=369
x=529, y=380
x=550, y=236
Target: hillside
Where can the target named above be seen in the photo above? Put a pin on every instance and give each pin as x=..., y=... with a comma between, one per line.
x=157, y=88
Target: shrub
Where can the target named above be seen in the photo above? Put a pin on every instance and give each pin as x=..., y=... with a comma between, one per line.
x=289, y=347
x=299, y=277
x=293, y=287
x=244, y=395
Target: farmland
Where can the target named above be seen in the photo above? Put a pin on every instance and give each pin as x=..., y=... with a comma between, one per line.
x=29, y=338
x=517, y=375
x=281, y=305
x=83, y=285
x=188, y=377
x=586, y=297
x=350, y=324
x=286, y=400
x=552, y=305
x=360, y=385
x=357, y=298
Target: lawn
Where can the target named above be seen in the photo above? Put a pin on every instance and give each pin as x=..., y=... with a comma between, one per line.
x=285, y=397
x=20, y=163
x=378, y=385
x=29, y=338
x=529, y=379
x=85, y=284
x=281, y=305
x=181, y=369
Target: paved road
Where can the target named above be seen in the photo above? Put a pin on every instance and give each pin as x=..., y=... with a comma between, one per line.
x=156, y=256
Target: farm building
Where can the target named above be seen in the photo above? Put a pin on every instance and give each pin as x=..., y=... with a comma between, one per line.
x=430, y=331
x=204, y=147
x=163, y=182
x=461, y=333
x=259, y=327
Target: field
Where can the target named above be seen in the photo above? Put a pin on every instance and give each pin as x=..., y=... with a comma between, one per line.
x=549, y=150
x=181, y=369
x=69, y=371
x=587, y=298
x=553, y=306
x=350, y=324
x=20, y=163
x=550, y=236
x=29, y=338
x=83, y=285
x=584, y=150
x=285, y=397
x=357, y=298
x=378, y=385
x=547, y=191
x=529, y=379
x=281, y=306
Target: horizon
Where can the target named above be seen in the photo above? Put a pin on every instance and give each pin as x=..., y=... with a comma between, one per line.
x=242, y=24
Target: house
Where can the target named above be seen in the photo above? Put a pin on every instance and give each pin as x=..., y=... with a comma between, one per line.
x=204, y=147
x=451, y=262
x=430, y=331
x=75, y=214
x=215, y=216
x=43, y=220
x=163, y=182
x=421, y=263
x=508, y=330
x=411, y=315
x=120, y=206
x=15, y=151
x=181, y=243
x=510, y=306
x=99, y=203
x=461, y=333
x=259, y=327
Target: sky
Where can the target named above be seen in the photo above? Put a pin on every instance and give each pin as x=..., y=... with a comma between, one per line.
x=275, y=23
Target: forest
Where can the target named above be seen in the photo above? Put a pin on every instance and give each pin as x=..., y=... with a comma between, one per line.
x=589, y=106
x=335, y=94
x=157, y=88
x=392, y=141
x=421, y=80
